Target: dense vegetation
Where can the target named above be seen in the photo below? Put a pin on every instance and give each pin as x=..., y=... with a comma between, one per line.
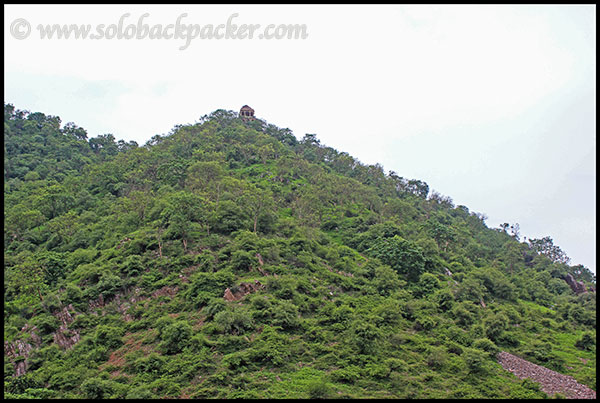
x=343, y=281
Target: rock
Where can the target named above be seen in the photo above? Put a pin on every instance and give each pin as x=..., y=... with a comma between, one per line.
x=242, y=290
x=551, y=382
x=577, y=286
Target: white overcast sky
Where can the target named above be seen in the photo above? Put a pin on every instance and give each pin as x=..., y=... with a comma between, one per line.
x=493, y=106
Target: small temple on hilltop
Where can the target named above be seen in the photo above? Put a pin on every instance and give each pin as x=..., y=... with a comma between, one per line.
x=246, y=113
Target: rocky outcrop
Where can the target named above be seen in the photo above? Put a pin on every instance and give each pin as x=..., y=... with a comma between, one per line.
x=19, y=350
x=238, y=292
x=260, y=265
x=551, y=382
x=64, y=336
x=577, y=286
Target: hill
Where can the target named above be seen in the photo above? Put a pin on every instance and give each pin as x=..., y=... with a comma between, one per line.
x=228, y=259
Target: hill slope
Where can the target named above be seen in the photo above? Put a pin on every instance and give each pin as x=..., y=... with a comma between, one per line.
x=227, y=259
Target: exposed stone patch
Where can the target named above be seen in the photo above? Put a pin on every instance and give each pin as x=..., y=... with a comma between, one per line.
x=551, y=382
x=260, y=265
x=242, y=290
x=19, y=350
x=64, y=336
x=577, y=286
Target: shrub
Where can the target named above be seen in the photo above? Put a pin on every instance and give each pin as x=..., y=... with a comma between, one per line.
x=175, y=337
x=234, y=322
x=508, y=339
x=395, y=364
x=152, y=364
x=444, y=299
x=365, y=336
x=475, y=360
x=319, y=389
x=46, y=323
x=462, y=315
x=495, y=326
x=349, y=374
x=215, y=306
x=285, y=314
x=141, y=392
x=400, y=254
x=132, y=265
x=73, y=295
x=96, y=388
x=427, y=284
x=586, y=342
x=108, y=336
x=424, y=323
x=486, y=345
x=437, y=357
x=242, y=260
x=51, y=303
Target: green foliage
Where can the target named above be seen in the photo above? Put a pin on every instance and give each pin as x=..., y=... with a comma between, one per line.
x=586, y=342
x=401, y=255
x=175, y=337
x=95, y=388
x=319, y=389
x=108, y=336
x=475, y=360
x=233, y=321
x=486, y=345
x=495, y=326
x=365, y=284
x=365, y=336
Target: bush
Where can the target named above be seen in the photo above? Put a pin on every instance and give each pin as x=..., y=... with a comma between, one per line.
x=427, y=284
x=462, y=315
x=437, y=357
x=108, y=336
x=46, y=323
x=318, y=389
x=365, y=336
x=424, y=323
x=395, y=364
x=141, y=392
x=508, y=339
x=348, y=374
x=51, y=303
x=152, y=364
x=132, y=266
x=586, y=342
x=175, y=337
x=486, y=345
x=234, y=322
x=215, y=306
x=475, y=360
x=495, y=326
x=285, y=314
x=400, y=254
x=96, y=388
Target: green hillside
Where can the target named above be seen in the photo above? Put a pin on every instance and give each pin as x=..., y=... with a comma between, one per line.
x=228, y=259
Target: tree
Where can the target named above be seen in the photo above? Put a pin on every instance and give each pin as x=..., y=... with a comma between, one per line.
x=104, y=145
x=401, y=255
x=258, y=200
x=546, y=247
x=582, y=273
x=182, y=211
x=71, y=129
